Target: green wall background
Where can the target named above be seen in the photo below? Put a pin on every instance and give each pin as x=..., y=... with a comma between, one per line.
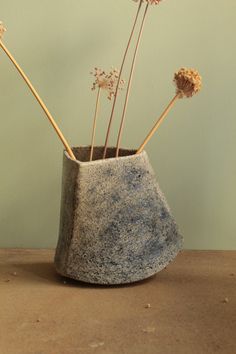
x=58, y=43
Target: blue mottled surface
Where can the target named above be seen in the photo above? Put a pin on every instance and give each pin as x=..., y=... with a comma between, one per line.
x=116, y=226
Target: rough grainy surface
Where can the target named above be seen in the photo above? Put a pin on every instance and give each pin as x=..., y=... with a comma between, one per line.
x=116, y=226
x=192, y=308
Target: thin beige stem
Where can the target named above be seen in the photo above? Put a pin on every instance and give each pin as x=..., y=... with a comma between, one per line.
x=119, y=78
x=43, y=106
x=95, y=124
x=130, y=82
x=158, y=123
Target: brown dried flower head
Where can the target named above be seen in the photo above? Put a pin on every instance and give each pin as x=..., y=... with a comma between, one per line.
x=2, y=30
x=106, y=81
x=188, y=82
x=151, y=2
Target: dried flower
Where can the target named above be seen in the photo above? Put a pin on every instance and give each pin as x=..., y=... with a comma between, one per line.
x=2, y=30
x=188, y=82
x=151, y=2
x=107, y=82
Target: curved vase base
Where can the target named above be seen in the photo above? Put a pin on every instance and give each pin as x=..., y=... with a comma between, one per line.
x=118, y=275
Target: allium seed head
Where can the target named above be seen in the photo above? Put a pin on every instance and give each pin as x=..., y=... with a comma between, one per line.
x=2, y=30
x=188, y=82
x=107, y=82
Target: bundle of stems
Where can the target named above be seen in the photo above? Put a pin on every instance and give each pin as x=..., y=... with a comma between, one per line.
x=187, y=81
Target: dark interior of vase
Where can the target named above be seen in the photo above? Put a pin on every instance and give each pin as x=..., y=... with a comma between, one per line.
x=83, y=153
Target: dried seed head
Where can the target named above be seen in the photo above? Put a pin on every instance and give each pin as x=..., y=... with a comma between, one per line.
x=150, y=2
x=2, y=30
x=107, y=82
x=188, y=82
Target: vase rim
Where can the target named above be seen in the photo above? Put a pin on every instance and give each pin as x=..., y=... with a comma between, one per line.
x=130, y=156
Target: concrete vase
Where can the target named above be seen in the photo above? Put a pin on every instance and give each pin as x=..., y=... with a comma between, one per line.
x=116, y=226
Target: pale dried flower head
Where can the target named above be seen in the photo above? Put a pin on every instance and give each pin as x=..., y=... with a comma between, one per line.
x=107, y=82
x=150, y=2
x=188, y=82
x=2, y=30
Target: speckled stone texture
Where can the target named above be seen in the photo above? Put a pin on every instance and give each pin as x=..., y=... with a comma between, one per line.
x=116, y=226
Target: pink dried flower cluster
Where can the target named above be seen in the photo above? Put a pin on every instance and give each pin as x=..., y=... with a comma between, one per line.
x=150, y=2
x=2, y=29
x=188, y=82
x=106, y=81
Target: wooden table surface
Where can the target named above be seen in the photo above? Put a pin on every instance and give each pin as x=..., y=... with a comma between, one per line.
x=192, y=308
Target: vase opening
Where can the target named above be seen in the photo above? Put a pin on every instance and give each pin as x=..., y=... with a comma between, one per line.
x=83, y=153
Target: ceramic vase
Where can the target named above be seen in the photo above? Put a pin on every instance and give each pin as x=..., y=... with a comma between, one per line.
x=115, y=225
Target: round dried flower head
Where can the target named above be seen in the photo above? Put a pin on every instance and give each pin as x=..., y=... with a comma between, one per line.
x=106, y=81
x=188, y=82
x=2, y=30
x=150, y=2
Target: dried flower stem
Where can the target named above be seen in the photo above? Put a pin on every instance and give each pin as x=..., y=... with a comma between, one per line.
x=43, y=106
x=118, y=82
x=130, y=82
x=95, y=124
x=158, y=123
